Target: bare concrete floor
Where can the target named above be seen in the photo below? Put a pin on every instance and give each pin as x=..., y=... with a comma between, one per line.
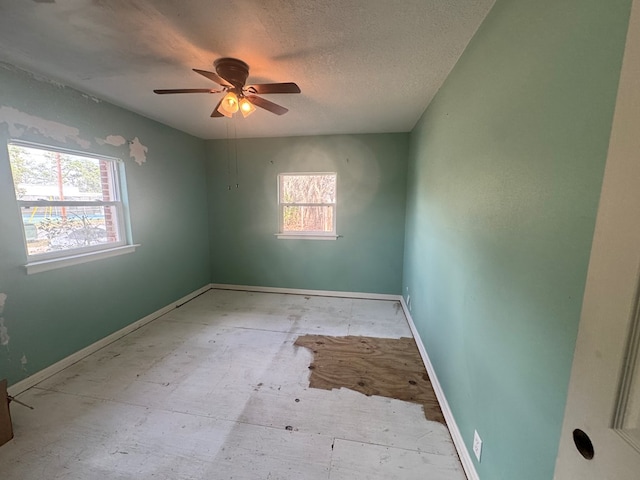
x=216, y=390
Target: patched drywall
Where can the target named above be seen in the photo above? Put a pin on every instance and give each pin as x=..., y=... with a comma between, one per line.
x=137, y=150
x=19, y=123
x=115, y=140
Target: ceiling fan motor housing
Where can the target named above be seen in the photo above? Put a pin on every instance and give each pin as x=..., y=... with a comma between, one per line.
x=233, y=71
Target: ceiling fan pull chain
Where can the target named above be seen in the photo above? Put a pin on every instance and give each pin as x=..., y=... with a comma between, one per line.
x=235, y=142
x=228, y=160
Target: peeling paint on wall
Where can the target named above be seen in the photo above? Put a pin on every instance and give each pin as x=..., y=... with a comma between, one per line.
x=23, y=362
x=19, y=123
x=4, y=333
x=115, y=140
x=93, y=99
x=138, y=151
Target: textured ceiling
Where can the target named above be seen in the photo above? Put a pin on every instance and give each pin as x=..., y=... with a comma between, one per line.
x=364, y=66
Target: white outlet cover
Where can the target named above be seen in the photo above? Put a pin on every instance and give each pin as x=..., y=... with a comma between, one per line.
x=477, y=445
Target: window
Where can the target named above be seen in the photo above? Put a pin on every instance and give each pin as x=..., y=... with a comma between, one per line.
x=70, y=202
x=307, y=205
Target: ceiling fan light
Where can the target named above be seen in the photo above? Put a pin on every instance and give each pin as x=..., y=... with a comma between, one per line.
x=246, y=107
x=229, y=104
x=223, y=112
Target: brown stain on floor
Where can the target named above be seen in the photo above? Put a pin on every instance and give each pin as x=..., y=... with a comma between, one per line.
x=387, y=367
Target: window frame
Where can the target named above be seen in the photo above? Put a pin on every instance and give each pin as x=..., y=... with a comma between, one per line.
x=306, y=235
x=71, y=256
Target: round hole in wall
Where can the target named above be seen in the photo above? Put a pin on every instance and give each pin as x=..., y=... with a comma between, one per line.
x=583, y=444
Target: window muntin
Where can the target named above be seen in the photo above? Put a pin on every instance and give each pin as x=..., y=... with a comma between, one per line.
x=70, y=202
x=307, y=204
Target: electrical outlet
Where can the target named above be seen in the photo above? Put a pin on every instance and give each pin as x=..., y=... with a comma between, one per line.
x=477, y=444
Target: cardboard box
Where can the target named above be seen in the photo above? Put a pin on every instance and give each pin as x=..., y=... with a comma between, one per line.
x=6, y=429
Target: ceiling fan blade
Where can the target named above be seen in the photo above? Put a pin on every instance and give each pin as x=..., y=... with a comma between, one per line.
x=186, y=90
x=262, y=88
x=216, y=113
x=266, y=104
x=213, y=76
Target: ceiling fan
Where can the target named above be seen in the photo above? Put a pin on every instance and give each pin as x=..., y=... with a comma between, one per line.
x=231, y=74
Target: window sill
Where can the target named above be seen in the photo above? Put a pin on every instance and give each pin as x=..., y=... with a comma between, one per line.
x=45, y=265
x=303, y=236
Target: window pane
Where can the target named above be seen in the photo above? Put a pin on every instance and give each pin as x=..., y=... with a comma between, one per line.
x=49, y=175
x=50, y=229
x=308, y=219
x=308, y=188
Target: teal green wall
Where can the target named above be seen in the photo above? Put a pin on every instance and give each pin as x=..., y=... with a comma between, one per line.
x=370, y=213
x=502, y=184
x=53, y=314
x=504, y=178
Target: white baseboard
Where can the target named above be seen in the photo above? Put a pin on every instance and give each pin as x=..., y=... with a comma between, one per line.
x=38, y=377
x=463, y=453
x=297, y=291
